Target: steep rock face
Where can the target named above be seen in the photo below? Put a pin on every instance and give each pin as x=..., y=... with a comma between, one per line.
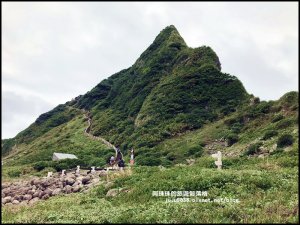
x=170, y=88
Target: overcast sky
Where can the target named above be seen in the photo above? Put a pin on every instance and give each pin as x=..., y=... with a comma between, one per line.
x=52, y=52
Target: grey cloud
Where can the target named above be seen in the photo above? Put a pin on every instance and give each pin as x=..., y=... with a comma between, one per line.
x=18, y=111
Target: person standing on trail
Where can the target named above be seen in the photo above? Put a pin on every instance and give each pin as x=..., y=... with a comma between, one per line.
x=121, y=164
x=112, y=160
x=132, y=156
x=119, y=155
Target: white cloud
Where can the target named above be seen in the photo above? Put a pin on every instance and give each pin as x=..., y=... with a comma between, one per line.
x=54, y=51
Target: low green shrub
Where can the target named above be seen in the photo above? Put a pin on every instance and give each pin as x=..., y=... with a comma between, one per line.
x=40, y=165
x=253, y=149
x=232, y=138
x=149, y=161
x=171, y=156
x=14, y=173
x=269, y=134
x=284, y=123
x=277, y=118
x=196, y=149
x=285, y=140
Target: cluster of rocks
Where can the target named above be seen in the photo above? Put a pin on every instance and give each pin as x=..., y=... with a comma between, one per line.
x=29, y=192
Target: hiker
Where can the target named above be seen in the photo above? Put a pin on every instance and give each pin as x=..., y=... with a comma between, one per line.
x=121, y=164
x=119, y=155
x=112, y=160
x=132, y=156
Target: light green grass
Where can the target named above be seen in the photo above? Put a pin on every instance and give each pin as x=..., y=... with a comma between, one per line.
x=267, y=194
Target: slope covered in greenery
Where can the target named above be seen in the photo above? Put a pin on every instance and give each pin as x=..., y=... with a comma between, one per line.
x=172, y=94
x=170, y=89
x=176, y=108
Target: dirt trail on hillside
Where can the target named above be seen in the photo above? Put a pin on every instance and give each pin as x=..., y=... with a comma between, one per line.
x=88, y=129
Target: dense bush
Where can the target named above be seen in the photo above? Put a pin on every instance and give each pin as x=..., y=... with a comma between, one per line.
x=236, y=128
x=171, y=156
x=40, y=165
x=256, y=100
x=277, y=118
x=14, y=173
x=259, y=109
x=232, y=138
x=285, y=140
x=149, y=161
x=61, y=166
x=290, y=99
x=253, y=149
x=196, y=149
x=269, y=134
x=66, y=164
x=284, y=123
x=98, y=162
x=7, y=145
x=231, y=162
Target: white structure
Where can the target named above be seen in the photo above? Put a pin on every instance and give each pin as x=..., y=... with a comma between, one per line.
x=59, y=156
x=63, y=172
x=93, y=169
x=218, y=156
x=78, y=170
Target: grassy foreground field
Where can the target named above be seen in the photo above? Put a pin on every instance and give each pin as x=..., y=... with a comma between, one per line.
x=267, y=191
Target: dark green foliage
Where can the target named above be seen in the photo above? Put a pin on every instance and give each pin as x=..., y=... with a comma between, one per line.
x=60, y=165
x=290, y=100
x=277, y=118
x=263, y=182
x=260, y=109
x=171, y=156
x=231, y=162
x=94, y=96
x=14, y=173
x=256, y=100
x=269, y=134
x=284, y=123
x=236, y=128
x=7, y=145
x=40, y=165
x=232, y=138
x=149, y=161
x=253, y=149
x=196, y=150
x=285, y=140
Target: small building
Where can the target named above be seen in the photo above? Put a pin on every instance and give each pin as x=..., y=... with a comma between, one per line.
x=59, y=156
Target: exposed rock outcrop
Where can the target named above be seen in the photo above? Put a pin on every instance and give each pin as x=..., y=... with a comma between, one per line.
x=29, y=192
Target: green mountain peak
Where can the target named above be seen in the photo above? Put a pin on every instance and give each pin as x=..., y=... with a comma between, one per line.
x=170, y=35
x=166, y=44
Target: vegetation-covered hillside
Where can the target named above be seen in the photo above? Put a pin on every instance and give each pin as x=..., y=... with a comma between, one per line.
x=171, y=93
x=175, y=107
x=169, y=90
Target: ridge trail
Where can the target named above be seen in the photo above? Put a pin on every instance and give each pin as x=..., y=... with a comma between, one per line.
x=88, y=128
